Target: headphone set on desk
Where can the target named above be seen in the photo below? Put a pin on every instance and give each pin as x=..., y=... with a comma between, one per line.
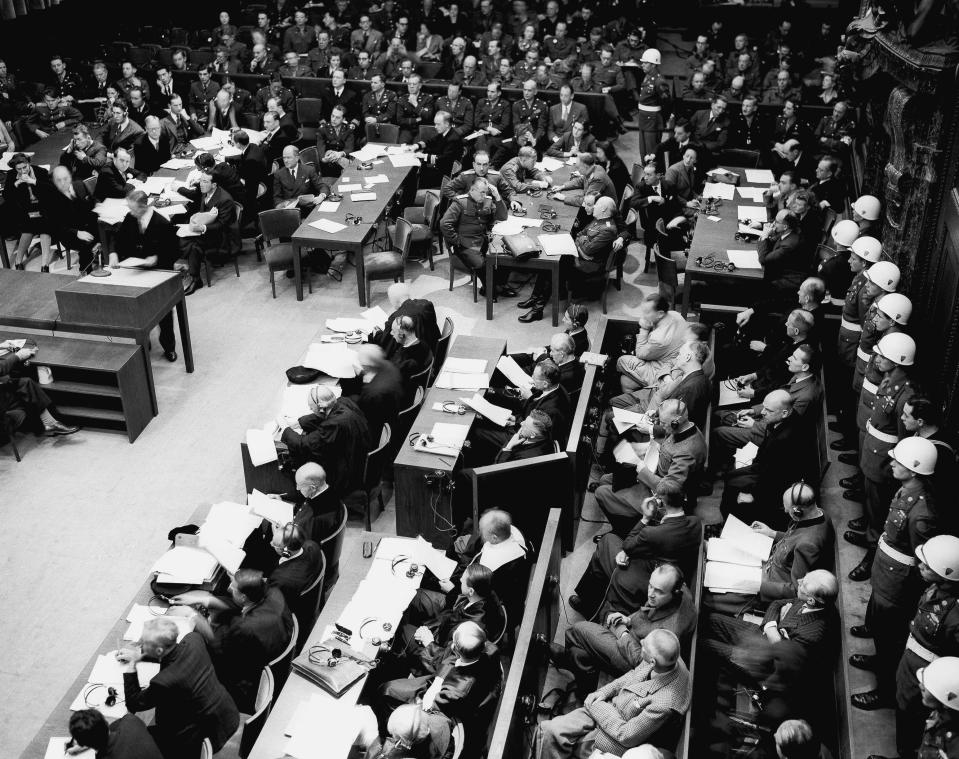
x=334, y=197
x=519, y=211
x=547, y=212
x=534, y=192
x=351, y=219
x=549, y=227
x=711, y=262
x=452, y=407
x=413, y=570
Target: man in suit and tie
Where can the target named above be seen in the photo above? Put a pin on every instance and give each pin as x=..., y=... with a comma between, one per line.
x=113, y=181
x=681, y=177
x=275, y=140
x=339, y=94
x=650, y=198
x=439, y=152
x=366, y=38
x=573, y=142
x=153, y=147
x=211, y=214
x=122, y=131
x=671, y=150
x=179, y=124
x=295, y=179
x=253, y=167
x=780, y=253
x=165, y=90
x=563, y=114
x=68, y=206
x=628, y=711
x=533, y=438
x=711, y=128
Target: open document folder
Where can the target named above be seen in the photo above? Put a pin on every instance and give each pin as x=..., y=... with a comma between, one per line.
x=734, y=560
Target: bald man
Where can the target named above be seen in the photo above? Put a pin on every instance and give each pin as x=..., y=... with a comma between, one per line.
x=154, y=147
x=628, y=711
x=335, y=435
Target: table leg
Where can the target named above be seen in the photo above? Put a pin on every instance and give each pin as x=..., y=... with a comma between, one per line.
x=555, y=296
x=186, y=343
x=490, y=287
x=144, y=340
x=4, y=256
x=687, y=290
x=297, y=272
x=361, y=273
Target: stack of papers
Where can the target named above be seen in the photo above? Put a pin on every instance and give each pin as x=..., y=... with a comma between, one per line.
x=329, y=206
x=719, y=190
x=168, y=212
x=377, y=179
x=271, y=509
x=626, y=420
x=111, y=210
x=361, y=196
x=333, y=359
x=444, y=439
x=513, y=225
x=323, y=726
x=760, y=176
x=464, y=365
x=560, y=244
x=369, y=151
x=549, y=164
x=745, y=455
x=375, y=315
x=751, y=213
x=186, y=565
x=516, y=376
x=325, y=225
x=352, y=324
x=496, y=414
x=735, y=558
x=230, y=522
x=755, y=194
x=205, y=143
x=177, y=163
x=399, y=160
x=153, y=185
x=744, y=259
x=261, y=447
x=460, y=381
x=140, y=614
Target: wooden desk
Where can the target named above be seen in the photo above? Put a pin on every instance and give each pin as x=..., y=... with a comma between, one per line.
x=714, y=238
x=354, y=237
x=421, y=504
x=28, y=299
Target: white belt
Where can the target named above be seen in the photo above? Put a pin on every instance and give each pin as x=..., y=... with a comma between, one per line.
x=650, y=108
x=870, y=387
x=860, y=353
x=892, y=553
x=884, y=436
x=851, y=326
x=920, y=650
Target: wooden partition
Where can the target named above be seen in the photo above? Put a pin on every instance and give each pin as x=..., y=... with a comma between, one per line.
x=528, y=489
x=579, y=449
x=516, y=711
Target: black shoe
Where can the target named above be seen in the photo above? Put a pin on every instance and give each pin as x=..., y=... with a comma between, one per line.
x=505, y=291
x=860, y=631
x=45, y=269
x=858, y=524
x=871, y=700
x=532, y=316
x=864, y=661
x=852, y=483
x=863, y=569
x=192, y=286
x=713, y=530
x=842, y=445
x=854, y=495
x=169, y=356
x=575, y=603
x=531, y=301
x=59, y=428
x=20, y=267
x=852, y=459
x=856, y=538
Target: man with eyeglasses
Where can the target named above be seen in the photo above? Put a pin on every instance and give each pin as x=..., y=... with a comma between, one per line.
x=462, y=182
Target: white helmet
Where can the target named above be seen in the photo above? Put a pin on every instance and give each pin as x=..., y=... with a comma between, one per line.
x=941, y=555
x=897, y=347
x=651, y=55
x=941, y=679
x=896, y=306
x=845, y=232
x=867, y=206
x=885, y=274
x=917, y=454
x=868, y=248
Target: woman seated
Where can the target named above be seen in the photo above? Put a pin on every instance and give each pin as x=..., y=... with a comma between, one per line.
x=25, y=184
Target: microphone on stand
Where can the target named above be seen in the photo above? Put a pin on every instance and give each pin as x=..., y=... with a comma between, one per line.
x=99, y=271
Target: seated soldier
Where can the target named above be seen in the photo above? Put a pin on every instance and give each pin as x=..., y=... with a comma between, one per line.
x=615, y=647
x=681, y=458
x=22, y=398
x=661, y=333
x=617, y=576
x=626, y=712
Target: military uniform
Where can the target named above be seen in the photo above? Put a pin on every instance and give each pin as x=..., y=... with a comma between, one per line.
x=411, y=116
x=461, y=111
x=265, y=94
x=489, y=114
x=941, y=737
x=336, y=138
x=522, y=72
x=594, y=245
x=883, y=431
x=462, y=182
x=609, y=76
x=934, y=632
x=466, y=226
x=654, y=96
x=289, y=72
x=532, y=113
x=854, y=309
x=382, y=107
x=579, y=85
x=867, y=341
x=557, y=49
x=896, y=582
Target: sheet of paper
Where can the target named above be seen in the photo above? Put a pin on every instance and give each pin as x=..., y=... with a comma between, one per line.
x=377, y=179
x=733, y=578
x=395, y=150
x=760, y=176
x=205, y=143
x=135, y=631
x=222, y=136
x=744, y=537
x=334, y=359
x=729, y=397
x=272, y=509
x=624, y=453
x=651, y=459
x=719, y=549
x=391, y=547
x=509, y=226
x=751, y=213
x=516, y=376
x=329, y=206
x=719, y=190
x=754, y=194
x=183, y=230
x=352, y=324
x=496, y=414
x=375, y=315
x=326, y=225
x=111, y=210
x=369, y=151
x=549, y=163
x=455, y=381
x=57, y=747
x=132, y=263
x=464, y=365
x=156, y=185
x=400, y=160
x=177, y=163
x=261, y=447
x=227, y=555
x=323, y=727
x=559, y=244
x=744, y=456
x=232, y=522
x=168, y=212
x=256, y=137
x=358, y=197
x=626, y=420
x=473, y=135
x=745, y=230
x=744, y=259
x=447, y=439
x=106, y=670
x=93, y=697
x=435, y=560
x=186, y=564
x=229, y=151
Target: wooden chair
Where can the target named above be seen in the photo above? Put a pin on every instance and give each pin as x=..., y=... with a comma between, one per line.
x=309, y=113
x=636, y=174
x=668, y=275
x=249, y=120
x=310, y=156
x=454, y=261
x=253, y=725
x=201, y=58
x=425, y=221
x=332, y=550
x=90, y=183
x=400, y=429
x=425, y=132
x=628, y=192
x=234, y=245
x=276, y=228
x=165, y=56
x=280, y=666
x=389, y=264
x=420, y=380
x=375, y=461
x=11, y=422
x=307, y=606
x=442, y=348
x=385, y=133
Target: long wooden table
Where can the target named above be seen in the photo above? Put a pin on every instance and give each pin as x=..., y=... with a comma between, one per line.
x=420, y=504
x=355, y=236
x=714, y=238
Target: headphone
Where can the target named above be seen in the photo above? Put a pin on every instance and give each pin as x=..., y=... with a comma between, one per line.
x=334, y=197
x=547, y=212
x=549, y=227
x=682, y=410
x=336, y=655
x=711, y=262
x=351, y=219
x=799, y=500
x=452, y=407
x=519, y=211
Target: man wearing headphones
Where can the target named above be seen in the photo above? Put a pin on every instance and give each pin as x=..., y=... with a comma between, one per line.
x=616, y=646
x=301, y=561
x=407, y=352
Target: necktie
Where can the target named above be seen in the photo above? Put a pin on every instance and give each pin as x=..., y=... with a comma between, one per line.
x=366, y=39
x=293, y=173
x=565, y=113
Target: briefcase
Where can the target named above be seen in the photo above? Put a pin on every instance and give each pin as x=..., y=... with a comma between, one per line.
x=521, y=247
x=333, y=679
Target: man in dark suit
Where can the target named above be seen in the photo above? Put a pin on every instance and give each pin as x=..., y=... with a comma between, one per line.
x=828, y=190
x=422, y=311
x=570, y=144
x=784, y=265
x=126, y=738
x=533, y=438
x=377, y=389
x=407, y=352
x=68, y=206
x=339, y=94
x=563, y=114
x=681, y=178
x=275, y=139
x=83, y=155
x=650, y=200
x=711, y=128
x=212, y=214
x=122, y=131
x=114, y=178
x=439, y=152
x=254, y=169
x=139, y=107
x=335, y=435
x=299, y=561
x=147, y=235
x=295, y=179
x=189, y=700
x=671, y=150
x=153, y=147
x=166, y=89
x=179, y=124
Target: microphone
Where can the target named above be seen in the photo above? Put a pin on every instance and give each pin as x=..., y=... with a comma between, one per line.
x=100, y=271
